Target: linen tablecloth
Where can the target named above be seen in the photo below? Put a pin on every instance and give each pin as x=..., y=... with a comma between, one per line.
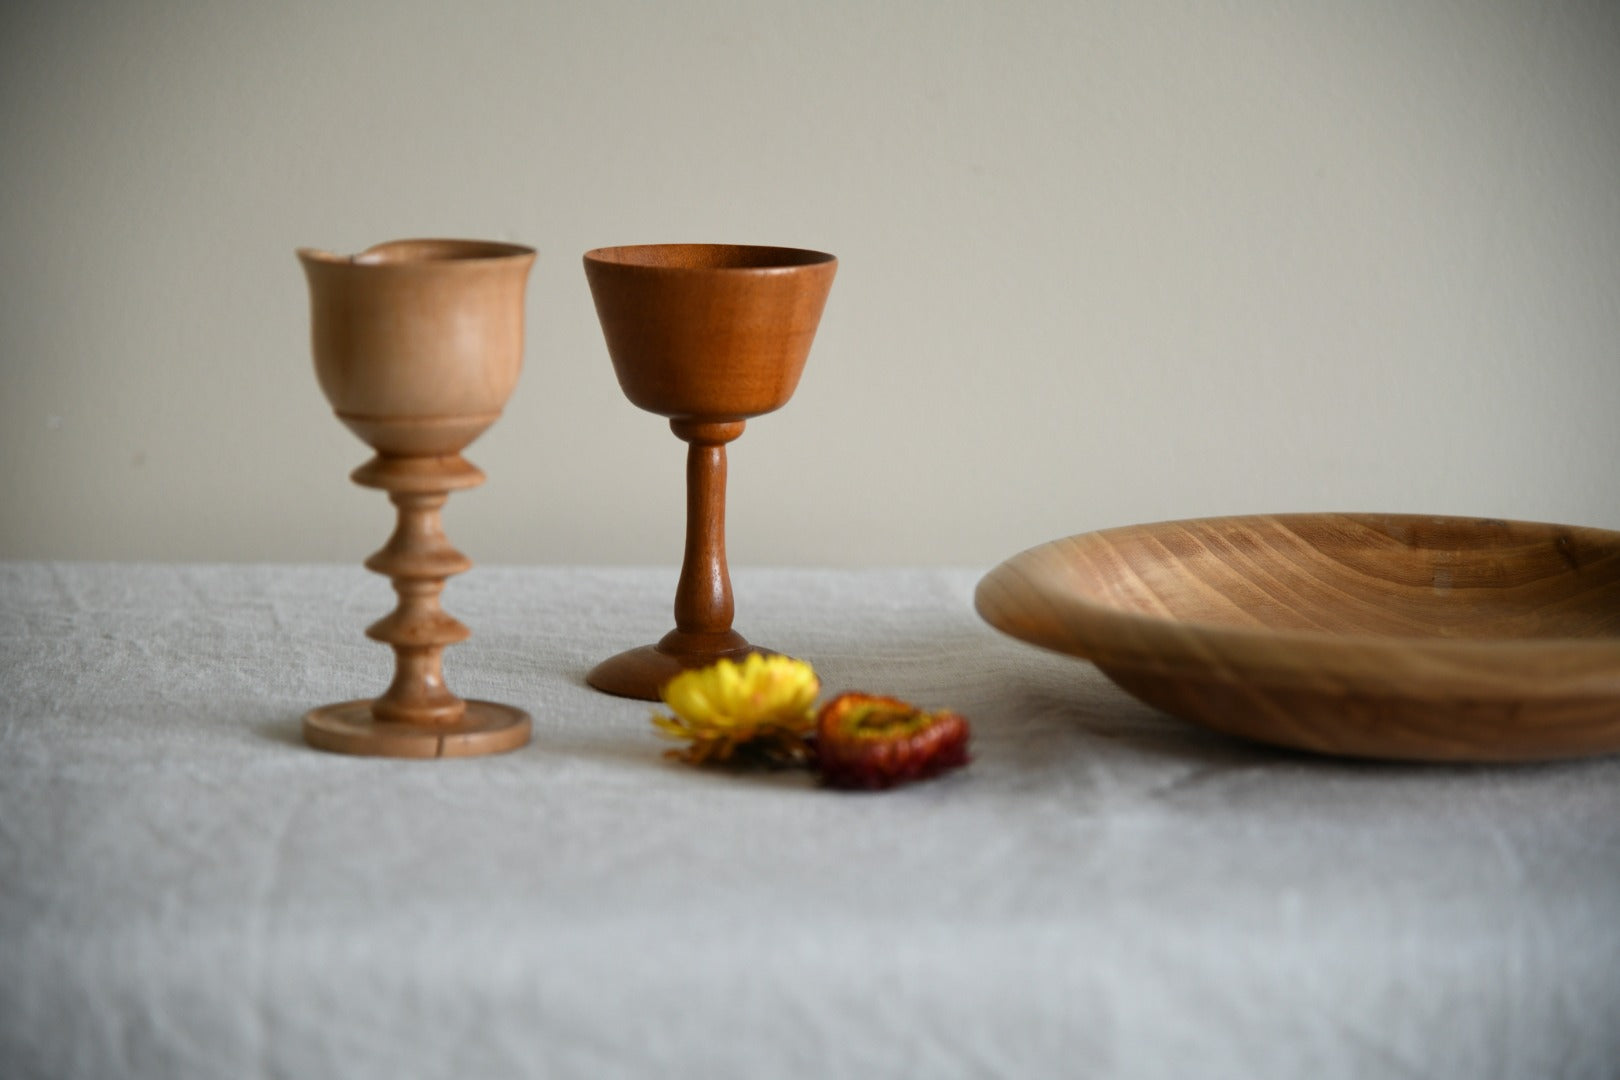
x=188, y=891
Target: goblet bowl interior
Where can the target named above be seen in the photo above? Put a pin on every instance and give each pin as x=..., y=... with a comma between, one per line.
x=709, y=256
x=404, y=252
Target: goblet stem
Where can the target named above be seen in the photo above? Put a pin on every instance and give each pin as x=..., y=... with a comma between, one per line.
x=418, y=558
x=418, y=716
x=703, y=604
x=703, y=601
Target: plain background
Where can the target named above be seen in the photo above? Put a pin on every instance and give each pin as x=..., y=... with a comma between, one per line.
x=1101, y=263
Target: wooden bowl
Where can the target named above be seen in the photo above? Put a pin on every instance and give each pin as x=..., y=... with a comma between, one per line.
x=1373, y=635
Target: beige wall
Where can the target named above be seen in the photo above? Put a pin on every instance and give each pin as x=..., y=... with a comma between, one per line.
x=1101, y=263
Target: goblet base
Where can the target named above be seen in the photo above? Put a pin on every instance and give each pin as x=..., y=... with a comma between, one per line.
x=641, y=673
x=349, y=728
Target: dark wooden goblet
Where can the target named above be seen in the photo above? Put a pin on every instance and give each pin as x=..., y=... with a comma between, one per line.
x=708, y=335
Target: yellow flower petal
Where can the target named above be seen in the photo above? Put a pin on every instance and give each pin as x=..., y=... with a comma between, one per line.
x=723, y=706
x=686, y=697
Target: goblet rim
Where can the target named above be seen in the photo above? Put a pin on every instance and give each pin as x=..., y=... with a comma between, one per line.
x=793, y=258
x=444, y=253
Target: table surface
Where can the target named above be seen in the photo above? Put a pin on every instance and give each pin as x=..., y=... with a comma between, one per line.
x=187, y=890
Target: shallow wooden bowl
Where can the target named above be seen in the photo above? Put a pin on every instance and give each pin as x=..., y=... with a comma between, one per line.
x=1373, y=635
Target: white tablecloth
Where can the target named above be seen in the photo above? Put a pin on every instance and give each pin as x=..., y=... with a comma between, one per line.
x=186, y=890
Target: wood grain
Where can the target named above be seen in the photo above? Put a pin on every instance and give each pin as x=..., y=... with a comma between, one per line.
x=1373, y=635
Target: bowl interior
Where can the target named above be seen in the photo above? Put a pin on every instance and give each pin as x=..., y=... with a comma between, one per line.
x=1358, y=575
x=438, y=251
x=420, y=251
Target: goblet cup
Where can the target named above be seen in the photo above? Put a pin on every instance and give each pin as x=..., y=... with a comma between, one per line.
x=417, y=345
x=708, y=335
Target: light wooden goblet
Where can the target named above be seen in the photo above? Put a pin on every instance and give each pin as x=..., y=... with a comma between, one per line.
x=417, y=345
x=708, y=335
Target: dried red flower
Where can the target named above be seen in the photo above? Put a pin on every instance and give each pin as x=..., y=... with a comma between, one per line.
x=871, y=741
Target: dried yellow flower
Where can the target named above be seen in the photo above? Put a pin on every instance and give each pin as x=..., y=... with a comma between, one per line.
x=758, y=712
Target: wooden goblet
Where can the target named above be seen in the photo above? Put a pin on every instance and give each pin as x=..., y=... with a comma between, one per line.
x=417, y=345
x=707, y=335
